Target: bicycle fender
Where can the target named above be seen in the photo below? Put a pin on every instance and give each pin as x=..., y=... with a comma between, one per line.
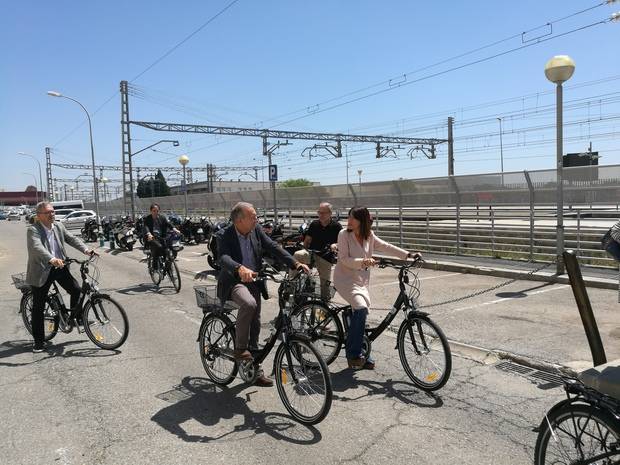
x=95, y=295
x=416, y=313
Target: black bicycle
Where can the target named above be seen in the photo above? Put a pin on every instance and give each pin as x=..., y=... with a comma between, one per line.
x=302, y=377
x=102, y=318
x=165, y=264
x=422, y=346
x=585, y=427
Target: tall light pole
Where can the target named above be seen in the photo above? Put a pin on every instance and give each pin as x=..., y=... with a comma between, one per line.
x=501, y=149
x=71, y=189
x=558, y=70
x=40, y=177
x=104, y=181
x=359, y=174
x=53, y=93
x=35, y=185
x=184, y=160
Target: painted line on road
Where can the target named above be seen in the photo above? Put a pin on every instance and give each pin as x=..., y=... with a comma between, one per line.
x=503, y=299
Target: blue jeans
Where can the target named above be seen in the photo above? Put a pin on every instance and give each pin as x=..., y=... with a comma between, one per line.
x=355, y=336
x=613, y=249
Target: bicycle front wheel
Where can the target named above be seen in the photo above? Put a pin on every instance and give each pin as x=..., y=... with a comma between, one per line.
x=322, y=325
x=303, y=381
x=173, y=274
x=216, y=342
x=578, y=433
x=424, y=353
x=153, y=273
x=105, y=322
x=50, y=318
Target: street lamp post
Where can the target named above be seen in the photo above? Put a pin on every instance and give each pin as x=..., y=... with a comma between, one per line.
x=35, y=185
x=558, y=70
x=92, y=148
x=40, y=177
x=184, y=160
x=501, y=149
x=71, y=189
x=359, y=174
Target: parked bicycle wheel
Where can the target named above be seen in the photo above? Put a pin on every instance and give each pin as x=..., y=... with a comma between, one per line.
x=578, y=433
x=173, y=274
x=216, y=342
x=50, y=317
x=303, y=381
x=105, y=322
x=317, y=321
x=155, y=274
x=424, y=352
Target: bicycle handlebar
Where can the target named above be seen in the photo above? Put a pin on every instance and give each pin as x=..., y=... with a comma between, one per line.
x=394, y=263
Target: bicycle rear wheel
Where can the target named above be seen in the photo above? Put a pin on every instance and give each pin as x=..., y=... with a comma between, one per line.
x=50, y=317
x=105, y=322
x=216, y=342
x=173, y=273
x=303, y=381
x=322, y=325
x=578, y=433
x=424, y=352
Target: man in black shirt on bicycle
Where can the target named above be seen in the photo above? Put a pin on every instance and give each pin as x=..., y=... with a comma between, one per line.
x=156, y=228
x=322, y=235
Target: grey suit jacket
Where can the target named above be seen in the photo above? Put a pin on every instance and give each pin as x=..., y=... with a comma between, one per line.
x=39, y=251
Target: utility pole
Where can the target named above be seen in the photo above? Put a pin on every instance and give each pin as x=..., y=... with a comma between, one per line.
x=126, y=149
x=450, y=147
x=48, y=170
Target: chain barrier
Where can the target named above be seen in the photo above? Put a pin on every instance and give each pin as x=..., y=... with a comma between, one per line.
x=484, y=291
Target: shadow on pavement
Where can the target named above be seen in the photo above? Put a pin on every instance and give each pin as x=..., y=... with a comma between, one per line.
x=402, y=391
x=204, y=275
x=203, y=402
x=146, y=287
x=520, y=294
x=12, y=348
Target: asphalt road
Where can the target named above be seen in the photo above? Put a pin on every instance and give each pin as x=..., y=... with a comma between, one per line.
x=151, y=402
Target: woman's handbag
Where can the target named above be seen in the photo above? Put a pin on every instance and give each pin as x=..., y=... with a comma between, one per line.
x=606, y=240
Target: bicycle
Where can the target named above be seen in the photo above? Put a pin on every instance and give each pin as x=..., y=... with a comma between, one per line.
x=166, y=264
x=104, y=320
x=422, y=346
x=302, y=377
x=585, y=427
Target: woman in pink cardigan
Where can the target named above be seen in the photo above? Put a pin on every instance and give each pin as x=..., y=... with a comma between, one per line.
x=356, y=245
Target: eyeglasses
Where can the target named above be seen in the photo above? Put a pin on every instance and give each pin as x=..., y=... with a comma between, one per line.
x=48, y=212
x=321, y=212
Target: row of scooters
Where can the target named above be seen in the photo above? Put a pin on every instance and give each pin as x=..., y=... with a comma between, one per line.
x=123, y=232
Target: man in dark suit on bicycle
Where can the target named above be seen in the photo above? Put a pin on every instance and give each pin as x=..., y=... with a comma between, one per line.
x=46, y=255
x=241, y=246
x=156, y=228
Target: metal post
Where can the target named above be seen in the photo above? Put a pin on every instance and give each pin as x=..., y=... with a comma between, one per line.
x=428, y=234
x=185, y=190
x=501, y=149
x=492, y=233
x=585, y=308
x=48, y=169
x=530, y=187
x=578, y=232
x=450, y=147
x=560, y=183
x=400, y=225
x=458, y=215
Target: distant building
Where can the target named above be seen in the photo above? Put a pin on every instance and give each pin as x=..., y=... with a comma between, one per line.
x=223, y=186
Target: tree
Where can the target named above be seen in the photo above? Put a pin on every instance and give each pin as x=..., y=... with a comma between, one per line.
x=154, y=186
x=301, y=182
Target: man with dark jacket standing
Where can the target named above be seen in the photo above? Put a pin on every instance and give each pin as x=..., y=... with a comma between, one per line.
x=46, y=263
x=241, y=246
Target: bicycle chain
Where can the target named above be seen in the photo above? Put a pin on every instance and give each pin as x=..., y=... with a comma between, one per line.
x=484, y=291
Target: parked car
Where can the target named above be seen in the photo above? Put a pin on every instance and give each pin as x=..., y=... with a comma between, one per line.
x=14, y=216
x=3, y=215
x=77, y=219
x=62, y=212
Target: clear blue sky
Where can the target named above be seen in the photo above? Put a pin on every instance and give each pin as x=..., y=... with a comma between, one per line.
x=258, y=61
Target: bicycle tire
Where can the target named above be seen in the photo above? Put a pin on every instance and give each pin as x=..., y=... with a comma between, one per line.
x=50, y=321
x=597, y=427
x=313, y=380
x=216, y=336
x=213, y=263
x=321, y=324
x=155, y=275
x=102, y=320
x=174, y=275
x=435, y=367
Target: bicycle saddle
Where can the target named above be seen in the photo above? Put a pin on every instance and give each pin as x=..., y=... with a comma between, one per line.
x=604, y=378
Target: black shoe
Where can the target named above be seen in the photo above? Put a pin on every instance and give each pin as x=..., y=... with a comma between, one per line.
x=38, y=347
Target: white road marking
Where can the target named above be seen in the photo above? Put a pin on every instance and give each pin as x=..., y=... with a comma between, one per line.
x=503, y=299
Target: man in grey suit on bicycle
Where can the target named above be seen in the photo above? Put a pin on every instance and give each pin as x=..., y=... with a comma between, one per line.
x=46, y=254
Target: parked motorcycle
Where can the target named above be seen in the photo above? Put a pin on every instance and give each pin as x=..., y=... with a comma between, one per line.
x=106, y=228
x=90, y=231
x=123, y=233
x=140, y=229
x=212, y=257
